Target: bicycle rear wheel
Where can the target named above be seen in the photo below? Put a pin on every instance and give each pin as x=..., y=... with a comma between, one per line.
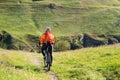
x=48, y=62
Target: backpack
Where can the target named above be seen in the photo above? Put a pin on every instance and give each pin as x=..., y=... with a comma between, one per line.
x=48, y=36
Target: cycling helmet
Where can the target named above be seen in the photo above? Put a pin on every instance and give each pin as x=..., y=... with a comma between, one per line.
x=48, y=29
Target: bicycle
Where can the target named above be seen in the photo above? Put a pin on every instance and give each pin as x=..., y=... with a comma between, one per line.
x=47, y=60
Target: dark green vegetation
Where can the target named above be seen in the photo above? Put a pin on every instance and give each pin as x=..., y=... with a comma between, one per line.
x=25, y=20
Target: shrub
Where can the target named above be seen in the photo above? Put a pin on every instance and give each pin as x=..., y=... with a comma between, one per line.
x=112, y=40
x=62, y=45
x=6, y=41
x=76, y=44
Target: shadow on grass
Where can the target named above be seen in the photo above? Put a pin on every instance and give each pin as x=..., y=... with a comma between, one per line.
x=32, y=68
x=106, y=55
x=18, y=67
x=36, y=69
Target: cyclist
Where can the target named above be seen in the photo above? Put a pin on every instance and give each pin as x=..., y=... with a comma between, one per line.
x=45, y=38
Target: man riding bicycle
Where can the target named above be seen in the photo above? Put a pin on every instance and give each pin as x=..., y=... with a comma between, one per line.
x=47, y=41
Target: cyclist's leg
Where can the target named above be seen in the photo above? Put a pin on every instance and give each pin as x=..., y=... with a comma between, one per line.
x=50, y=51
x=43, y=50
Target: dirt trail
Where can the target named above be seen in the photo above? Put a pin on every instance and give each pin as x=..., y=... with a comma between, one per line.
x=52, y=76
x=35, y=60
x=38, y=62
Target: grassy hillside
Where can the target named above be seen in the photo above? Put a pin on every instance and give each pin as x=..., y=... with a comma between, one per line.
x=16, y=21
x=101, y=63
x=65, y=17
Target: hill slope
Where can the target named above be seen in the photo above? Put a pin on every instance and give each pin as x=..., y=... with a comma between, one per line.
x=21, y=18
x=65, y=17
x=101, y=63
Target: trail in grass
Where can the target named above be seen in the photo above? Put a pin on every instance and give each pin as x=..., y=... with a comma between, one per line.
x=38, y=62
x=52, y=76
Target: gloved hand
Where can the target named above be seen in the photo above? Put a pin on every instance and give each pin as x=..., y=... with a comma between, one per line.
x=40, y=45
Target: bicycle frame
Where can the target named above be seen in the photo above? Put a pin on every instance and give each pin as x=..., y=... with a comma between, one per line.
x=47, y=60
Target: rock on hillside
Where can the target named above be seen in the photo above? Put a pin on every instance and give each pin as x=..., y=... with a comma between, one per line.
x=7, y=41
x=90, y=40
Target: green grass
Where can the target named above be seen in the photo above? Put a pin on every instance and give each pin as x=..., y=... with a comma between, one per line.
x=17, y=65
x=83, y=2
x=75, y=16
x=16, y=21
x=101, y=63
x=65, y=22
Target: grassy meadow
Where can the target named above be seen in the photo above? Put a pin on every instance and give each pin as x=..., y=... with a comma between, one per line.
x=100, y=63
x=17, y=65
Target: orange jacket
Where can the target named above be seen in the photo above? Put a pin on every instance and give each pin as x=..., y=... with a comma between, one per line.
x=43, y=40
